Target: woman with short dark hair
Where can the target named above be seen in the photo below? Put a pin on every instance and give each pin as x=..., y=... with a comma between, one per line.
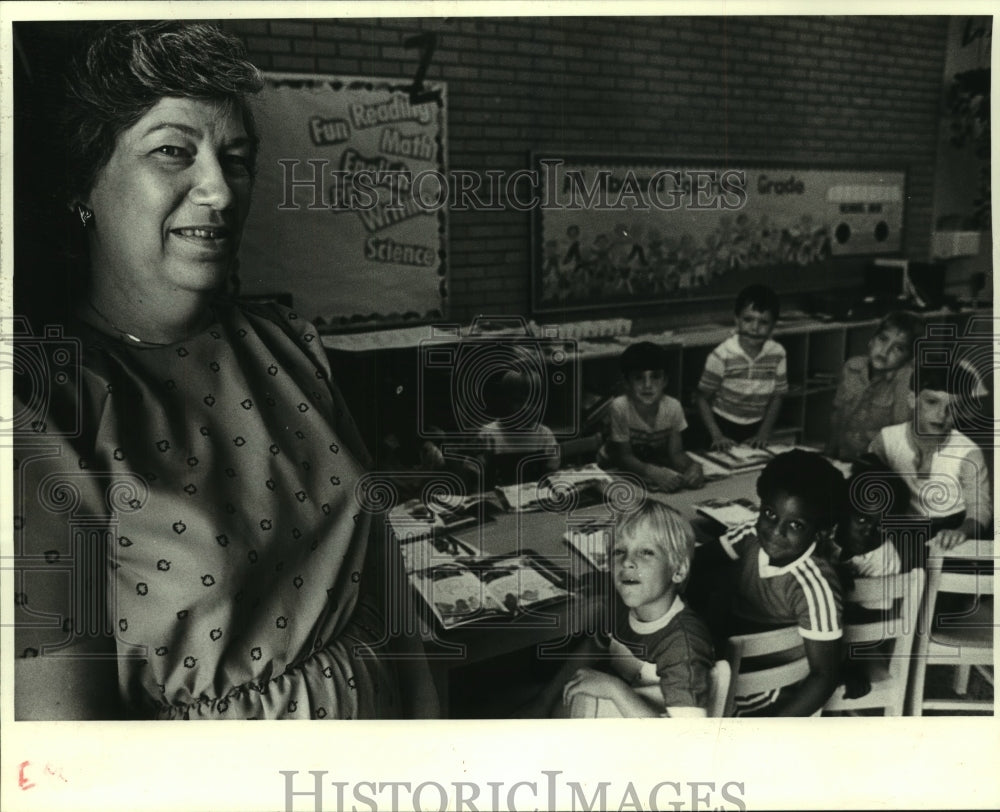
x=189, y=497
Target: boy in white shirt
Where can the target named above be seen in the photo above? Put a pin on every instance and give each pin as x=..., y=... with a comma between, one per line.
x=646, y=425
x=944, y=470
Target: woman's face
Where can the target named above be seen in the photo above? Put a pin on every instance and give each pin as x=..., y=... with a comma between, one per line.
x=169, y=205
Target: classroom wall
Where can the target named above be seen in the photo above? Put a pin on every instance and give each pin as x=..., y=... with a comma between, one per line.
x=851, y=91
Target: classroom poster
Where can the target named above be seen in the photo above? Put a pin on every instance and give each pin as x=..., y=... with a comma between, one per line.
x=336, y=156
x=629, y=232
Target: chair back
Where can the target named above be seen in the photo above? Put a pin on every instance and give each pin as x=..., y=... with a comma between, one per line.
x=965, y=576
x=895, y=603
x=785, y=644
x=718, y=691
x=963, y=639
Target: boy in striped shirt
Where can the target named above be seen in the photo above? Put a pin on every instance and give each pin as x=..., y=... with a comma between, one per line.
x=784, y=577
x=745, y=377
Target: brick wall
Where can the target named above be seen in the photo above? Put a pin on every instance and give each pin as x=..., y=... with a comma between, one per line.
x=850, y=91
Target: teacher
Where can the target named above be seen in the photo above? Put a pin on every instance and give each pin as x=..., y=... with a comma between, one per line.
x=203, y=443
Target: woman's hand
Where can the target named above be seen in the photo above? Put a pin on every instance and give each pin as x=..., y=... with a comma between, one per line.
x=595, y=683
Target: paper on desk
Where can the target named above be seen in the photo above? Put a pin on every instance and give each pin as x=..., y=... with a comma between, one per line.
x=728, y=512
x=711, y=469
x=524, y=496
x=781, y=448
x=554, y=487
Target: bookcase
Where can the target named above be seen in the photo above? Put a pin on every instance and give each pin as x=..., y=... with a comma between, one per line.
x=816, y=352
x=390, y=390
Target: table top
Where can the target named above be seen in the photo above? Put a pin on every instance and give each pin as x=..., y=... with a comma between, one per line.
x=542, y=532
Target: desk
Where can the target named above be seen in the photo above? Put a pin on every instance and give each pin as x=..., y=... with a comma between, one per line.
x=541, y=637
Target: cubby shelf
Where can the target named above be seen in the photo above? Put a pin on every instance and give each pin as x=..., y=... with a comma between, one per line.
x=395, y=391
x=815, y=349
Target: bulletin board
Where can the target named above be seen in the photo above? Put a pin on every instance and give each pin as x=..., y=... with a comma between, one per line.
x=347, y=257
x=647, y=231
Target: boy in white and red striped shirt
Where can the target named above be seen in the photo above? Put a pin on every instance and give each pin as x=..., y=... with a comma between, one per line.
x=784, y=577
x=745, y=377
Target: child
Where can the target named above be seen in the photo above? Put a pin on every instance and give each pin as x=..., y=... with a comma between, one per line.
x=873, y=389
x=740, y=391
x=517, y=446
x=660, y=651
x=862, y=550
x=646, y=424
x=783, y=579
x=944, y=470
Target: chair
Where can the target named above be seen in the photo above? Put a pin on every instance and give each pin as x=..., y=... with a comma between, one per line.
x=899, y=597
x=785, y=644
x=718, y=690
x=964, y=640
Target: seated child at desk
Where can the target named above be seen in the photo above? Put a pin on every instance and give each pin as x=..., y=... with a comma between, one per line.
x=646, y=425
x=517, y=446
x=944, y=470
x=660, y=652
x=783, y=578
x=873, y=391
x=861, y=548
x=740, y=391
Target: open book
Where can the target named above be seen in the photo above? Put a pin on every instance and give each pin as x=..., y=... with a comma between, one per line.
x=593, y=542
x=728, y=512
x=739, y=457
x=442, y=513
x=558, y=491
x=465, y=590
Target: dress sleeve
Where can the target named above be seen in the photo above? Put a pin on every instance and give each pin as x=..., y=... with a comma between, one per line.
x=306, y=336
x=63, y=532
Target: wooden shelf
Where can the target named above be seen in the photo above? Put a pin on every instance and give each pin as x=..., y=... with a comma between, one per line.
x=390, y=372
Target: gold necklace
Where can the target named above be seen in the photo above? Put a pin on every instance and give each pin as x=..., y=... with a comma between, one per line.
x=124, y=334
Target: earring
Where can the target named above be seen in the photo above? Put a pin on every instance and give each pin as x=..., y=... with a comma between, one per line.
x=86, y=215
